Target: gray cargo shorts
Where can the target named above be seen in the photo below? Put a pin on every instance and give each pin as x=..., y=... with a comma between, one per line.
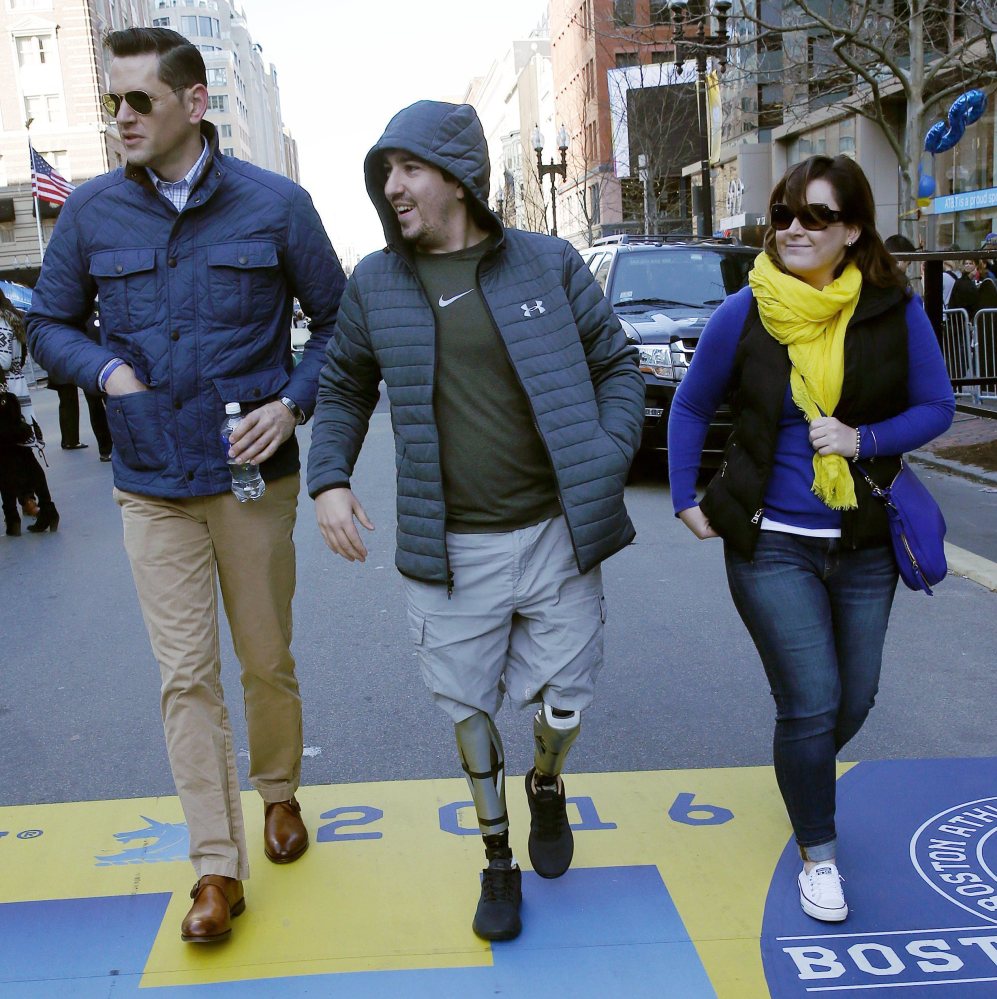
x=521, y=619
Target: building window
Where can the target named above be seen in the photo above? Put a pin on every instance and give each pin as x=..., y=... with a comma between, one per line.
x=624, y=12
x=594, y=203
x=624, y=59
x=203, y=27
x=660, y=57
x=7, y=232
x=590, y=79
x=161, y=22
x=218, y=102
x=45, y=109
x=209, y=48
x=225, y=131
x=659, y=12
x=59, y=160
x=228, y=151
x=34, y=50
x=217, y=77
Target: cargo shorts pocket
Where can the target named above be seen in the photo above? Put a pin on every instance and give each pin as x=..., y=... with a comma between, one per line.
x=416, y=628
x=136, y=430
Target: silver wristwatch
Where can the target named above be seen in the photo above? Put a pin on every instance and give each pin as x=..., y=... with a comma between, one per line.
x=294, y=408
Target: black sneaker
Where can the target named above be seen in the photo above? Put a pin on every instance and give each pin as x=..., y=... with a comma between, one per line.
x=551, y=843
x=497, y=915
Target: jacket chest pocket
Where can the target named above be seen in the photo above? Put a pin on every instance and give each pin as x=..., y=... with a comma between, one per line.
x=243, y=281
x=128, y=287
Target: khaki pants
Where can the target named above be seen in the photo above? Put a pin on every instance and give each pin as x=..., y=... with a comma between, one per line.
x=176, y=549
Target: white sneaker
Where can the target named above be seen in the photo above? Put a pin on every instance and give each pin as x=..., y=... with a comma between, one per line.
x=821, y=895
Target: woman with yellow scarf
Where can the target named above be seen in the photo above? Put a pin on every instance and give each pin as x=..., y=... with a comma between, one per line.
x=827, y=359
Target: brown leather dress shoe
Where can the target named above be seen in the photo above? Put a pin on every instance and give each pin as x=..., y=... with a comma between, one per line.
x=285, y=837
x=217, y=901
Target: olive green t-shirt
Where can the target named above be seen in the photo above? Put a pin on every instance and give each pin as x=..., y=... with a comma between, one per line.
x=497, y=475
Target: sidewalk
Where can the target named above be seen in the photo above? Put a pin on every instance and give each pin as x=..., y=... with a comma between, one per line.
x=968, y=448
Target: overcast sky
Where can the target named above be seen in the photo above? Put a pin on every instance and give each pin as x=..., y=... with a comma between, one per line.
x=345, y=68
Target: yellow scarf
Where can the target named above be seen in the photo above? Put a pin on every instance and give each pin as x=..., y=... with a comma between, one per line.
x=812, y=325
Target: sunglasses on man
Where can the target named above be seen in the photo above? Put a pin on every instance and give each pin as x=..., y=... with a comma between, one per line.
x=814, y=217
x=138, y=100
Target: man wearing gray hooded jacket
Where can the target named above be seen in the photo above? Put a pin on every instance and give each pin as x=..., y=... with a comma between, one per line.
x=517, y=406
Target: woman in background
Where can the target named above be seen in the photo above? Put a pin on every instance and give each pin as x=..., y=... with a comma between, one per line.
x=21, y=476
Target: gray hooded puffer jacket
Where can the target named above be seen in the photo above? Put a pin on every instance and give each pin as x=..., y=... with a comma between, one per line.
x=566, y=346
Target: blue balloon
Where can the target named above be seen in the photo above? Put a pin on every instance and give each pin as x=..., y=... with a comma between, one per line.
x=966, y=109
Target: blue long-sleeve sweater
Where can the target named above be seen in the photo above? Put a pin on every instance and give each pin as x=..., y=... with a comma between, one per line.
x=789, y=498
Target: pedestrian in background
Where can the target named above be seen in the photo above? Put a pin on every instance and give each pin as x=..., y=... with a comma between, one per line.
x=69, y=409
x=517, y=406
x=196, y=258
x=22, y=478
x=829, y=361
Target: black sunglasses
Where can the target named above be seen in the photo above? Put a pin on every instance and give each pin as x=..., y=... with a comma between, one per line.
x=138, y=100
x=813, y=216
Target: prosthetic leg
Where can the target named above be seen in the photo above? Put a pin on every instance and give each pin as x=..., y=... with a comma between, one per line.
x=551, y=843
x=554, y=733
x=481, y=756
x=483, y=762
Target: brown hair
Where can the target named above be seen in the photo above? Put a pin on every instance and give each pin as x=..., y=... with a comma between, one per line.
x=13, y=316
x=180, y=63
x=854, y=196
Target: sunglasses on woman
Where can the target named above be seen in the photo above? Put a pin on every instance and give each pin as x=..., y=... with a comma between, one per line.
x=813, y=216
x=138, y=100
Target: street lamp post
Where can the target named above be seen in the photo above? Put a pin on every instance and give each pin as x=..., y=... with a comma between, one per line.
x=701, y=47
x=553, y=169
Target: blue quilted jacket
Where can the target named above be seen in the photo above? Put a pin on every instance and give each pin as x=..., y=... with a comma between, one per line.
x=197, y=302
x=566, y=346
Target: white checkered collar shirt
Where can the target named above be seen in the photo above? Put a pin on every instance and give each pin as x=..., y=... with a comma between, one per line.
x=179, y=192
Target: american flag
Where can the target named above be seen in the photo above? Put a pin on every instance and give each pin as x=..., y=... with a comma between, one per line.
x=46, y=184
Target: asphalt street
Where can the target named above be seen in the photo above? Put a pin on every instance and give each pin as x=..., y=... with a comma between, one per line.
x=682, y=686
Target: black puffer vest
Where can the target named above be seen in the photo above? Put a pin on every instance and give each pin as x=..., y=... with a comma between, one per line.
x=874, y=389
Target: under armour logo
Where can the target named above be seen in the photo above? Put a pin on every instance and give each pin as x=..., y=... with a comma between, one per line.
x=536, y=309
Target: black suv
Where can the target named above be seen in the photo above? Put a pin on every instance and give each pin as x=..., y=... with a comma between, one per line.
x=663, y=292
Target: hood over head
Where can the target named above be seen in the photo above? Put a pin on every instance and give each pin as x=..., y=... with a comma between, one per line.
x=450, y=137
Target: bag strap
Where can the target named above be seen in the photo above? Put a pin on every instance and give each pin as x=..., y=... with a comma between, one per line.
x=878, y=491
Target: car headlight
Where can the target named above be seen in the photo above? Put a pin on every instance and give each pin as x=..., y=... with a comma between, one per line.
x=656, y=361
x=680, y=360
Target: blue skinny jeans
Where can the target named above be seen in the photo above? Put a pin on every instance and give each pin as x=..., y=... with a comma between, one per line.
x=817, y=614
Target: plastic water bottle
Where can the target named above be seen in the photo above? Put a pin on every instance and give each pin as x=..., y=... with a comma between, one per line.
x=247, y=483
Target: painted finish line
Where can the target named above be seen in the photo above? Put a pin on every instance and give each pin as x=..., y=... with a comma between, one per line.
x=382, y=901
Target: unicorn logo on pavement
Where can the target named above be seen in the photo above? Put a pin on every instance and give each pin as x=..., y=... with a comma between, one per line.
x=169, y=842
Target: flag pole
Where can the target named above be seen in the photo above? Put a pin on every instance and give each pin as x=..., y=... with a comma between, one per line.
x=38, y=207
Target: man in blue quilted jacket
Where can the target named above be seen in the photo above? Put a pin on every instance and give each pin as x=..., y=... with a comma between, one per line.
x=517, y=406
x=196, y=258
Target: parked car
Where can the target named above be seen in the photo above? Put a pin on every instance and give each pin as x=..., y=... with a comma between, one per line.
x=664, y=292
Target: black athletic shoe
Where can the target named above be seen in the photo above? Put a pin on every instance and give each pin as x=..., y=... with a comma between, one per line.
x=551, y=843
x=497, y=915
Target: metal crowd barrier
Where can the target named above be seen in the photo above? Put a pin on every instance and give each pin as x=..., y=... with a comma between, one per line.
x=970, y=352
x=985, y=351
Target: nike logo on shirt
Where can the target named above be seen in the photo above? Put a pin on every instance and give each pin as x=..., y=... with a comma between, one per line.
x=444, y=302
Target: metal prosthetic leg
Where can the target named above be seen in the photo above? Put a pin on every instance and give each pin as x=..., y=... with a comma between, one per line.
x=480, y=747
x=553, y=735
x=551, y=842
x=483, y=761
